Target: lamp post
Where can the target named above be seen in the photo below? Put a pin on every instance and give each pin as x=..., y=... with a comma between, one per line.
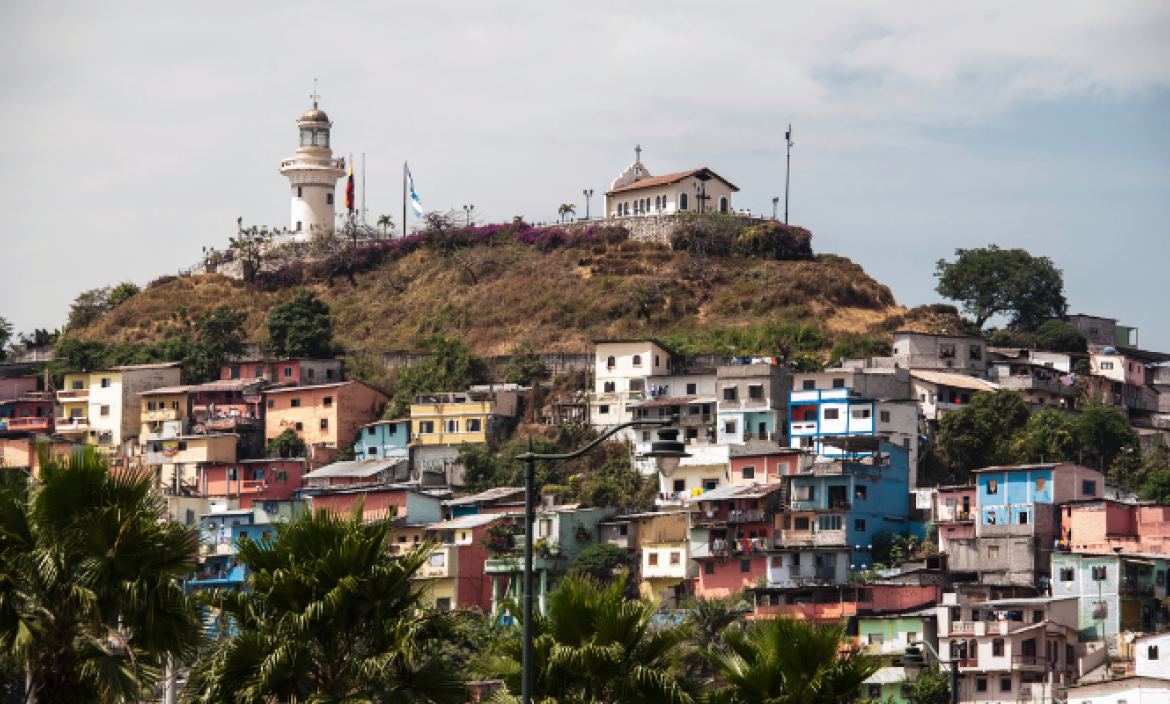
x=468, y=210
x=667, y=452
x=775, y=205
x=913, y=662
x=787, y=170
x=588, y=194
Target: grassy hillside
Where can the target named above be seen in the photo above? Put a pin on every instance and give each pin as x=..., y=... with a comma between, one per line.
x=494, y=295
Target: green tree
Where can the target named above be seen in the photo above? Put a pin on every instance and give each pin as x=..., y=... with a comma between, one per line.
x=90, y=602
x=1061, y=336
x=74, y=354
x=931, y=687
x=706, y=621
x=786, y=660
x=218, y=335
x=807, y=363
x=525, y=364
x=565, y=210
x=287, y=444
x=88, y=307
x=994, y=281
x=1104, y=433
x=5, y=336
x=594, y=646
x=300, y=327
x=979, y=434
x=1156, y=475
x=1048, y=436
x=386, y=223
x=327, y=617
x=122, y=293
x=452, y=367
x=601, y=561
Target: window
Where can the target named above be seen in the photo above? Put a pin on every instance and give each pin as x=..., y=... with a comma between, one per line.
x=603, y=410
x=609, y=387
x=860, y=413
x=652, y=559
x=637, y=385
x=1152, y=652
x=831, y=413
x=1067, y=574
x=105, y=411
x=748, y=472
x=371, y=430
x=710, y=484
x=637, y=360
x=271, y=403
x=474, y=425
x=809, y=384
x=885, y=416
x=682, y=201
x=875, y=691
x=680, y=485
x=1089, y=487
x=296, y=403
x=78, y=385
x=800, y=523
x=992, y=486
x=976, y=352
x=328, y=400
x=1041, y=484
x=1005, y=683
x=105, y=382
x=288, y=372
x=657, y=361
x=745, y=566
x=997, y=647
x=1038, y=616
x=993, y=552
x=300, y=427
x=860, y=492
x=150, y=405
x=911, y=636
x=1106, y=366
x=946, y=351
x=426, y=427
x=1100, y=573
x=443, y=603
x=645, y=436
x=174, y=405
x=692, y=389
x=324, y=424
x=829, y=522
x=859, y=525
x=1022, y=518
x=876, y=639
x=729, y=393
x=328, y=373
x=981, y=684
x=372, y=451
x=838, y=383
x=756, y=391
x=729, y=427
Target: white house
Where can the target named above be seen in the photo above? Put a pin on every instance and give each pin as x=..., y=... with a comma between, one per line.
x=1122, y=690
x=636, y=192
x=621, y=371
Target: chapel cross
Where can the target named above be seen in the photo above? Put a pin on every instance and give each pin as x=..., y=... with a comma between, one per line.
x=638, y=154
x=314, y=96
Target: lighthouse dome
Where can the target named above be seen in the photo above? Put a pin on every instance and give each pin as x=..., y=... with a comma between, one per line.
x=314, y=115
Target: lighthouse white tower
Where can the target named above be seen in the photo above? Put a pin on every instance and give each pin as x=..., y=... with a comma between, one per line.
x=313, y=175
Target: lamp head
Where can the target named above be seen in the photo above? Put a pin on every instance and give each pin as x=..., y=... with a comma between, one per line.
x=913, y=662
x=667, y=451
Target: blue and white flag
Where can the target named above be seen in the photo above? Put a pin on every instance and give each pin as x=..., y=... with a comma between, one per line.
x=415, y=203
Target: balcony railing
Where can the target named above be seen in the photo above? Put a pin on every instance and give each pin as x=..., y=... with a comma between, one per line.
x=962, y=627
x=158, y=415
x=754, y=515
x=1028, y=661
x=72, y=425
x=954, y=516
x=74, y=395
x=30, y=424
x=1129, y=588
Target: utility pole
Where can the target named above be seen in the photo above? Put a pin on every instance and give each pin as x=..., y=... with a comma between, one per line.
x=363, y=189
x=787, y=170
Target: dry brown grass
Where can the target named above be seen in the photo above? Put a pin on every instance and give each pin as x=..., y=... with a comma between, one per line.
x=561, y=300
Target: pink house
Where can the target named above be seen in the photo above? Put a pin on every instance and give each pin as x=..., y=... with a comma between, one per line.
x=252, y=480
x=826, y=605
x=297, y=372
x=754, y=467
x=1104, y=526
x=410, y=507
x=740, y=524
x=954, y=512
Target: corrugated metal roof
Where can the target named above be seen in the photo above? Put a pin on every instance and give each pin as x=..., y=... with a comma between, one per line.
x=356, y=468
x=499, y=492
x=473, y=521
x=958, y=381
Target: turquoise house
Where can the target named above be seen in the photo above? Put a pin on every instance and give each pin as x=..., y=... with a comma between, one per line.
x=885, y=637
x=382, y=439
x=1117, y=593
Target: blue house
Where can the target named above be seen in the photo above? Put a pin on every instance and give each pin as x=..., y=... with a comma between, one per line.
x=835, y=510
x=381, y=439
x=816, y=415
x=1008, y=496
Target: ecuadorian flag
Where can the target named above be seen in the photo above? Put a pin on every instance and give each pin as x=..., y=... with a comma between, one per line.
x=349, y=189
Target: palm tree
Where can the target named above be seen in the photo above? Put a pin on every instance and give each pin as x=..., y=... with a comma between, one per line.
x=566, y=209
x=708, y=618
x=786, y=661
x=328, y=616
x=594, y=646
x=90, y=605
x=385, y=222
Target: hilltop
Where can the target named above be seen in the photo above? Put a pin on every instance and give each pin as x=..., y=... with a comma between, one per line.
x=495, y=294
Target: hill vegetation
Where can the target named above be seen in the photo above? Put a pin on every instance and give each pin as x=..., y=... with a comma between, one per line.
x=495, y=285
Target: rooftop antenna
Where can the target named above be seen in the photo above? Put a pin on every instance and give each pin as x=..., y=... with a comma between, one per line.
x=314, y=96
x=788, y=168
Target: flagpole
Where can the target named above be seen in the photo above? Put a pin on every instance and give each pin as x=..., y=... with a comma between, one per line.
x=404, y=167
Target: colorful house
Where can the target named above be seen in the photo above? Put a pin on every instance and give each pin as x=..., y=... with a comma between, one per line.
x=383, y=438
x=954, y=513
x=454, y=576
x=1105, y=526
x=885, y=636
x=736, y=523
x=298, y=372
x=621, y=373
x=1116, y=592
x=753, y=404
x=409, y=506
x=818, y=415
x=104, y=408
x=325, y=416
x=249, y=482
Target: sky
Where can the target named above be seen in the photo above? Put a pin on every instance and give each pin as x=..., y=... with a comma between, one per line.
x=135, y=134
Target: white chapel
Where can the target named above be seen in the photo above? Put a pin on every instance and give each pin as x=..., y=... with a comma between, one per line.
x=636, y=192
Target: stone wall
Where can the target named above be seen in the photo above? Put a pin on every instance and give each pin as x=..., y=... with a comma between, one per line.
x=647, y=228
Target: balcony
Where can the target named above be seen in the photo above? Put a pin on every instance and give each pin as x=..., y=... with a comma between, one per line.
x=793, y=538
x=73, y=425
x=74, y=395
x=951, y=515
x=1029, y=662
x=723, y=548
x=153, y=458
x=754, y=515
x=36, y=425
x=962, y=628
x=211, y=577
x=159, y=415
x=515, y=564
x=1132, y=589
x=439, y=565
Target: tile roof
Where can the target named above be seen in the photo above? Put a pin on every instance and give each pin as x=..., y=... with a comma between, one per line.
x=668, y=179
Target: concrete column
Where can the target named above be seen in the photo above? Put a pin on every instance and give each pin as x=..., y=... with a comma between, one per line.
x=543, y=588
x=495, y=592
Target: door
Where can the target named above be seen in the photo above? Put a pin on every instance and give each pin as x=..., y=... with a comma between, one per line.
x=837, y=497
x=763, y=431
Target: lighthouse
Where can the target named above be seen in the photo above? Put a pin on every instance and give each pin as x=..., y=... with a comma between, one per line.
x=313, y=175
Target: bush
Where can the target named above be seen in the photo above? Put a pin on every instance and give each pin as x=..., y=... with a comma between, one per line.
x=601, y=561
x=121, y=293
x=287, y=444
x=1057, y=335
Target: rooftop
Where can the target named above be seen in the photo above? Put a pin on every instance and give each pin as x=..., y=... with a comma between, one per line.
x=134, y=367
x=740, y=491
x=356, y=468
x=499, y=492
x=958, y=381
x=703, y=174
x=472, y=521
x=1001, y=468
x=1033, y=601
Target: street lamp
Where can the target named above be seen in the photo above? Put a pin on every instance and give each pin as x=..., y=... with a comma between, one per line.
x=468, y=210
x=667, y=452
x=588, y=194
x=775, y=205
x=913, y=663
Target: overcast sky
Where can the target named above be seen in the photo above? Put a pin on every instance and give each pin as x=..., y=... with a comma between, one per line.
x=134, y=134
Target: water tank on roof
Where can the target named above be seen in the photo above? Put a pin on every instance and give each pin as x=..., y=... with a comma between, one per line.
x=1110, y=350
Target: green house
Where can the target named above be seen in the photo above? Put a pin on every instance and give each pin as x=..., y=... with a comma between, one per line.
x=886, y=636
x=1117, y=592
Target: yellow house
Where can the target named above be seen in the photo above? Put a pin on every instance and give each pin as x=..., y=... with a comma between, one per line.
x=179, y=457
x=665, y=566
x=164, y=413
x=103, y=408
x=452, y=419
